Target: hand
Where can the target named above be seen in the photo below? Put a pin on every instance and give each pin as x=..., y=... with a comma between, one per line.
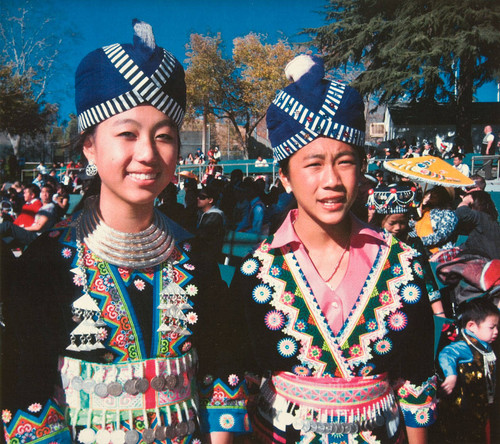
x=449, y=384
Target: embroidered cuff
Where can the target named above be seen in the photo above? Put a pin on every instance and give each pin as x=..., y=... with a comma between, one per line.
x=434, y=296
x=39, y=425
x=222, y=407
x=418, y=403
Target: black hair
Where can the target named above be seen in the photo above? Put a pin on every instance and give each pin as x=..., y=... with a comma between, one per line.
x=481, y=201
x=477, y=310
x=35, y=189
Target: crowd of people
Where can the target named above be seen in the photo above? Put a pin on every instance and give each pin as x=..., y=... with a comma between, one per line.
x=117, y=325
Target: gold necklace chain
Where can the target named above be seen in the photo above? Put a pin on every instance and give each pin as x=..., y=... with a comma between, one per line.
x=338, y=263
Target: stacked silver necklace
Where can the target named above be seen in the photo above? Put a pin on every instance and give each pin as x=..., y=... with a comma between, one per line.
x=137, y=251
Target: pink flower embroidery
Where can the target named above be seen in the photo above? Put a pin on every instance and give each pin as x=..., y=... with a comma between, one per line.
x=233, y=380
x=139, y=284
x=192, y=317
x=6, y=416
x=35, y=407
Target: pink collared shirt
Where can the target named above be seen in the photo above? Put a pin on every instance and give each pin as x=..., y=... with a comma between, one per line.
x=365, y=244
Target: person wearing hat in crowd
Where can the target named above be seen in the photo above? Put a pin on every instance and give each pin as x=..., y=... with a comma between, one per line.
x=210, y=225
x=117, y=293
x=393, y=207
x=333, y=312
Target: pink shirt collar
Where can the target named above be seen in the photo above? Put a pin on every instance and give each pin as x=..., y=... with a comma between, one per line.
x=286, y=233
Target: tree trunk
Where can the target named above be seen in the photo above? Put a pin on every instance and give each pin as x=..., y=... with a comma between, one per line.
x=15, y=141
x=464, y=102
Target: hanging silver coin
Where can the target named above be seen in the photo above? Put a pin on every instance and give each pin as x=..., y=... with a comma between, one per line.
x=130, y=387
x=101, y=390
x=171, y=381
x=181, y=429
x=115, y=389
x=77, y=382
x=88, y=386
x=148, y=435
x=161, y=433
x=158, y=383
x=170, y=432
x=131, y=437
x=142, y=384
x=191, y=427
x=298, y=423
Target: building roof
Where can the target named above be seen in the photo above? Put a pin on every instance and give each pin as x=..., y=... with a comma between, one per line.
x=443, y=114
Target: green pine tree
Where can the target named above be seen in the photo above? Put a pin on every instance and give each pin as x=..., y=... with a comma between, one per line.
x=415, y=50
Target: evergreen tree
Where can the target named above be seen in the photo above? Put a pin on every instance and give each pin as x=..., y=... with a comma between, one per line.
x=416, y=50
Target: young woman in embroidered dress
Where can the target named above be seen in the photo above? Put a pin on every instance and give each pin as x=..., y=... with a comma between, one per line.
x=117, y=293
x=339, y=325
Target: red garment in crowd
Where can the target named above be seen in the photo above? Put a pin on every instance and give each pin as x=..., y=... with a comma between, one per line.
x=26, y=217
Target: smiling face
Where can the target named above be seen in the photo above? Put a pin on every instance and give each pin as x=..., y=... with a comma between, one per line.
x=135, y=153
x=323, y=177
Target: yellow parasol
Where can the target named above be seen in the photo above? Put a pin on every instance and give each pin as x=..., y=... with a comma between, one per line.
x=429, y=169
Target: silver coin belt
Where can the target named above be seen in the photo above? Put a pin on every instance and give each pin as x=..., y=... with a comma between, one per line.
x=282, y=413
x=107, y=395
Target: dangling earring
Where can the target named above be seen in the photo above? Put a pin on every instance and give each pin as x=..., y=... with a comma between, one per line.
x=91, y=169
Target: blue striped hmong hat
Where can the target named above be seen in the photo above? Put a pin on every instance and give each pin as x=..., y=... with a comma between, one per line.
x=116, y=78
x=311, y=107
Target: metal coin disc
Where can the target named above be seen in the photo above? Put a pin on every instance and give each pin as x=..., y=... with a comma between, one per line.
x=86, y=436
x=77, y=382
x=148, y=435
x=306, y=426
x=131, y=437
x=182, y=429
x=171, y=381
x=88, y=386
x=321, y=428
x=161, y=433
x=171, y=432
x=191, y=427
x=313, y=426
x=130, y=387
x=118, y=437
x=103, y=437
x=142, y=384
x=158, y=383
x=298, y=424
x=115, y=389
x=101, y=390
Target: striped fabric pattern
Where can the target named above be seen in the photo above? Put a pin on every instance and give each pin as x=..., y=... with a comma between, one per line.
x=144, y=89
x=315, y=124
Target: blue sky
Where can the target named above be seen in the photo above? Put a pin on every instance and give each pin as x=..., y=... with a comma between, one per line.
x=102, y=22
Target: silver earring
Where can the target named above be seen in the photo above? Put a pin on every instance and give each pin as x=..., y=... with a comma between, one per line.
x=91, y=169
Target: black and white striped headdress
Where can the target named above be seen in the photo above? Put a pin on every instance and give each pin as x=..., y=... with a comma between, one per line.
x=119, y=77
x=312, y=107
